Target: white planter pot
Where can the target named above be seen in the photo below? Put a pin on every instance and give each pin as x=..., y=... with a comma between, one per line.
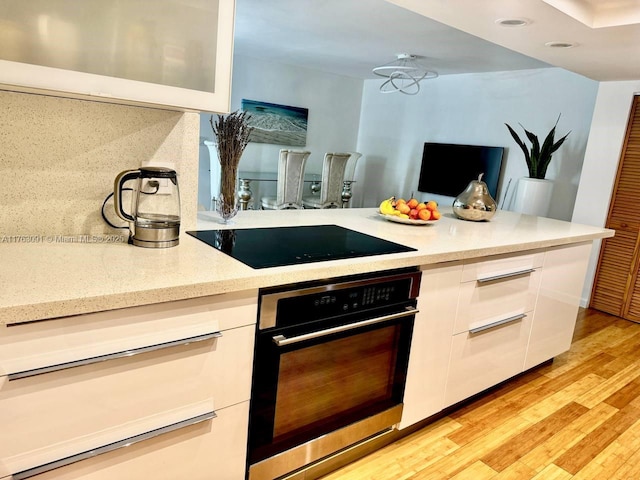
x=533, y=196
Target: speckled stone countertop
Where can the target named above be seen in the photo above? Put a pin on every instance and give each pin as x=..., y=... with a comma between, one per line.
x=45, y=278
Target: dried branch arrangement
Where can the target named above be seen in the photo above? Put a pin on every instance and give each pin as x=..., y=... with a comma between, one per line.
x=232, y=136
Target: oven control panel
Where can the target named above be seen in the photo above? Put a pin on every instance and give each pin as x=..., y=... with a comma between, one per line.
x=362, y=298
x=328, y=304
x=331, y=300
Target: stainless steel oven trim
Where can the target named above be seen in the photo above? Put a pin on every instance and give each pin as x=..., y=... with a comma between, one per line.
x=343, y=457
x=281, y=340
x=318, y=448
x=269, y=302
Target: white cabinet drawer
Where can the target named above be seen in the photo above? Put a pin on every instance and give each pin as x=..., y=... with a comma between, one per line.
x=501, y=265
x=29, y=347
x=213, y=449
x=481, y=360
x=484, y=302
x=75, y=404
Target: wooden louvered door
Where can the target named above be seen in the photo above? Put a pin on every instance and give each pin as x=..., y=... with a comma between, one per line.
x=616, y=287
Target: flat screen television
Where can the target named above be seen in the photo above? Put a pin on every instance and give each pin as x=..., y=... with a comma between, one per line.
x=447, y=168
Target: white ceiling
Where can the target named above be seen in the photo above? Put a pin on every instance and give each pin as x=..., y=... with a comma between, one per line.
x=350, y=37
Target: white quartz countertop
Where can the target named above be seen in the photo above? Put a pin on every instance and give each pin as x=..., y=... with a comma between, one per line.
x=45, y=278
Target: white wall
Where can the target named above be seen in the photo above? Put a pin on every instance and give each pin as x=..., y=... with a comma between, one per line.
x=601, y=159
x=472, y=109
x=334, y=111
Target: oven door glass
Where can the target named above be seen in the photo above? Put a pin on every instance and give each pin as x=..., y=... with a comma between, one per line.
x=305, y=389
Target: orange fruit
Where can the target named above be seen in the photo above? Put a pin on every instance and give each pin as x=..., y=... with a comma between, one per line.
x=424, y=214
x=432, y=205
x=413, y=203
x=435, y=215
x=421, y=206
x=399, y=201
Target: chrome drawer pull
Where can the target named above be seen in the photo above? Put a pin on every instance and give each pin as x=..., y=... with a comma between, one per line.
x=111, y=356
x=505, y=275
x=32, y=472
x=281, y=340
x=504, y=321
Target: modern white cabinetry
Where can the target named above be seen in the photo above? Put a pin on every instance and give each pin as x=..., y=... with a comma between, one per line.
x=563, y=275
x=495, y=305
x=481, y=360
x=431, y=342
x=493, y=291
x=214, y=449
x=97, y=381
x=167, y=53
x=484, y=321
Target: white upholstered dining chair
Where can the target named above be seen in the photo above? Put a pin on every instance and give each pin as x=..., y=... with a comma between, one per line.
x=333, y=168
x=290, y=181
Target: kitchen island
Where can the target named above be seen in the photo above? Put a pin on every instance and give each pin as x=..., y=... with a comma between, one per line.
x=51, y=277
x=154, y=348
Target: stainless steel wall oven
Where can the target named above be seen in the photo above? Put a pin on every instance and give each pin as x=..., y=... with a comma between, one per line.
x=329, y=369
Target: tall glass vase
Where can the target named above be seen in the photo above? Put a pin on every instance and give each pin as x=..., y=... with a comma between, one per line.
x=227, y=204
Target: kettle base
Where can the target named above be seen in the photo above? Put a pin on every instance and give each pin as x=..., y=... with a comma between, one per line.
x=150, y=235
x=154, y=244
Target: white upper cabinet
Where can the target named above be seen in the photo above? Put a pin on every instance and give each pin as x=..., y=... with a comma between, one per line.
x=171, y=53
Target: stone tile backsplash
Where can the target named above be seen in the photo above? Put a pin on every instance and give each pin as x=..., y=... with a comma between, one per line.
x=59, y=158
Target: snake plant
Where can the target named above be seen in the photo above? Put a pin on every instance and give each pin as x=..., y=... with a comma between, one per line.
x=538, y=158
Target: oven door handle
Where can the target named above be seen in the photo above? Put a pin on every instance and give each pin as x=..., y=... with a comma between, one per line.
x=281, y=340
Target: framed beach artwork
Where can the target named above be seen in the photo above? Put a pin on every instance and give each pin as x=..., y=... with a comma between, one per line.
x=278, y=124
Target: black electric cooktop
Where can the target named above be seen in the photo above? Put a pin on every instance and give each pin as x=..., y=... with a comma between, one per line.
x=280, y=246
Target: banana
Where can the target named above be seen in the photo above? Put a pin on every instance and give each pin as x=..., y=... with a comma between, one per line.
x=388, y=209
x=387, y=206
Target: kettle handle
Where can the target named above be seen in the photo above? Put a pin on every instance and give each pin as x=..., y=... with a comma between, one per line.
x=117, y=192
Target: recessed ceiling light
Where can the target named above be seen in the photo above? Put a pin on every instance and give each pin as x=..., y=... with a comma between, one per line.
x=560, y=44
x=512, y=22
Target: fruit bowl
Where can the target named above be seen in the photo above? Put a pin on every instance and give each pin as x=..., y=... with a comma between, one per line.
x=406, y=221
x=412, y=212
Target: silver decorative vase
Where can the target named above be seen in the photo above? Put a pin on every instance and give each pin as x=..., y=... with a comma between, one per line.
x=475, y=203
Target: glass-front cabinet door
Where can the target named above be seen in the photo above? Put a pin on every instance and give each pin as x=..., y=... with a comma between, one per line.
x=171, y=53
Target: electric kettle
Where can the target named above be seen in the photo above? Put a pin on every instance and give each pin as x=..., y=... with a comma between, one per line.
x=154, y=220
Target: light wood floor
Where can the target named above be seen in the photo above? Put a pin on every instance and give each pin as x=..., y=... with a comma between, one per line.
x=576, y=418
